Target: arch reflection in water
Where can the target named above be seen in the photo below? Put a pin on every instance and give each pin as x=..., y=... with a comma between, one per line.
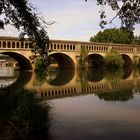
x=82, y=86
x=98, y=74
x=70, y=83
x=23, y=78
x=62, y=76
x=95, y=75
x=127, y=61
x=20, y=79
x=127, y=72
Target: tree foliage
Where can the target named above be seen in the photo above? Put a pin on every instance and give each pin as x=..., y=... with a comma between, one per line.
x=40, y=64
x=22, y=15
x=41, y=70
x=114, y=60
x=128, y=11
x=23, y=115
x=122, y=36
x=136, y=40
x=83, y=58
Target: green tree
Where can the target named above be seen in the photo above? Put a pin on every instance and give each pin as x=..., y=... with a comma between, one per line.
x=128, y=11
x=136, y=40
x=22, y=15
x=40, y=64
x=83, y=58
x=114, y=60
x=122, y=36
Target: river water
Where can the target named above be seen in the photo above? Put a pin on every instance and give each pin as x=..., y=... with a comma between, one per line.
x=94, y=104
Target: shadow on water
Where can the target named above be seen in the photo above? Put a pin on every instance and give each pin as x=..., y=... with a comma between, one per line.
x=22, y=116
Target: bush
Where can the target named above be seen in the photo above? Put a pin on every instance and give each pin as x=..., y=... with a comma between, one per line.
x=83, y=58
x=114, y=60
x=40, y=64
x=24, y=113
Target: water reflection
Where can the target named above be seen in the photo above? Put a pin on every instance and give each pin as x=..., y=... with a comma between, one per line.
x=89, y=118
x=62, y=83
x=95, y=75
x=55, y=77
x=6, y=72
x=122, y=95
x=7, y=76
x=113, y=76
x=127, y=72
x=19, y=80
x=62, y=77
x=85, y=82
x=102, y=104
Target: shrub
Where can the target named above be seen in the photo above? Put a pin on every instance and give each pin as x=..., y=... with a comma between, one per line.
x=114, y=60
x=40, y=64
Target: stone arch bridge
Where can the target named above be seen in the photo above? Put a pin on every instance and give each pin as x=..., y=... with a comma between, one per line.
x=67, y=53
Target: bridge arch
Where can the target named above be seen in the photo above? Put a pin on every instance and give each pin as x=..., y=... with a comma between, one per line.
x=64, y=61
x=127, y=60
x=95, y=60
x=23, y=62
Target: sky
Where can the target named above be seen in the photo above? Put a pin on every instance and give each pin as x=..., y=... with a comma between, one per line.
x=74, y=19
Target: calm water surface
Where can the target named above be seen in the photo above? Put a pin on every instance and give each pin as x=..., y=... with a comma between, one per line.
x=88, y=105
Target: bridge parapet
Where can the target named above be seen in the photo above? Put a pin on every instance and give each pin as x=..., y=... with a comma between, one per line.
x=70, y=50
x=64, y=45
x=14, y=43
x=123, y=49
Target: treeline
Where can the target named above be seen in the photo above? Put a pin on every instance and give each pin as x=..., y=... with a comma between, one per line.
x=119, y=36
